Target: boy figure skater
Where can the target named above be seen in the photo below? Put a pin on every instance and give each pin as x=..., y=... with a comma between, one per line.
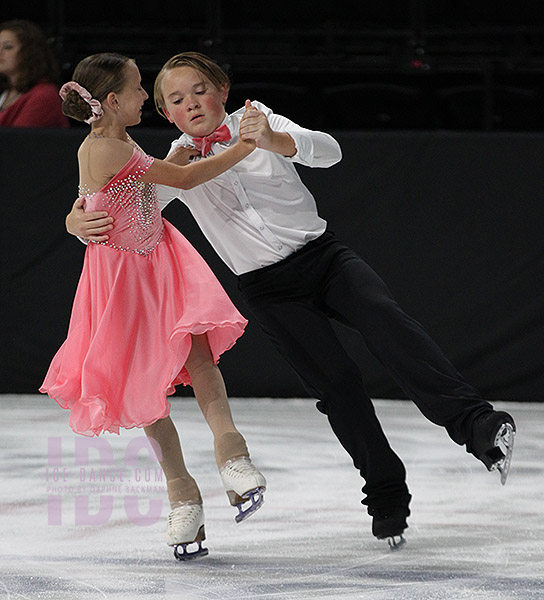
x=295, y=276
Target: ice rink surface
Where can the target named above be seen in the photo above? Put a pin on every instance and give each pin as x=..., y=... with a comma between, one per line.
x=83, y=519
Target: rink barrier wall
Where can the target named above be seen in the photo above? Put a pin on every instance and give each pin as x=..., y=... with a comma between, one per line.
x=451, y=221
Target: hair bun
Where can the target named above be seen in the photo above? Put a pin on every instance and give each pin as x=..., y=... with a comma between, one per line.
x=95, y=108
x=76, y=107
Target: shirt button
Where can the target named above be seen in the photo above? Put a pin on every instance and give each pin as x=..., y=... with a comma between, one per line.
x=235, y=183
x=280, y=247
x=261, y=227
x=247, y=205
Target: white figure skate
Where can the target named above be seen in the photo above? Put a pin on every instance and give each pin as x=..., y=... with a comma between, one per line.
x=185, y=526
x=243, y=483
x=504, y=441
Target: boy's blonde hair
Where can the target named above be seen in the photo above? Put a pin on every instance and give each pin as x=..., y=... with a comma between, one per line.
x=199, y=62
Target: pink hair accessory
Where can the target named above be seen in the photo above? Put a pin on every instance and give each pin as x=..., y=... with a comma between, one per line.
x=95, y=105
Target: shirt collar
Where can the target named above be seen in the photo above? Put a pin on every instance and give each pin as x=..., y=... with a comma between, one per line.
x=232, y=121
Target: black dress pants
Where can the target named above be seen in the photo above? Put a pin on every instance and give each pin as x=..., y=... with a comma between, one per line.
x=294, y=300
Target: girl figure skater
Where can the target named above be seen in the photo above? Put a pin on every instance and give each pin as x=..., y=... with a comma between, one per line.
x=148, y=313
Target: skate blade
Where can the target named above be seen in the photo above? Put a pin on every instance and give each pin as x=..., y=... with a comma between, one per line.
x=181, y=551
x=254, y=496
x=504, y=441
x=396, y=542
x=186, y=554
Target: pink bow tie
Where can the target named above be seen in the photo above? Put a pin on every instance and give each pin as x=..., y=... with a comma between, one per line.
x=204, y=144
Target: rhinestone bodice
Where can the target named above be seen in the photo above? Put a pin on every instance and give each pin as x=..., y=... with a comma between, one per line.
x=132, y=204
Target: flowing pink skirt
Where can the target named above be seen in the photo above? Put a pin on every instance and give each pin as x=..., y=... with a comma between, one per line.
x=130, y=333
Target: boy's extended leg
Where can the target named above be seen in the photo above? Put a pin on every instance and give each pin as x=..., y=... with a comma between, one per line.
x=357, y=296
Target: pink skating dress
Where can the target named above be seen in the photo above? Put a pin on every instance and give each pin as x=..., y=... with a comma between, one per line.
x=139, y=298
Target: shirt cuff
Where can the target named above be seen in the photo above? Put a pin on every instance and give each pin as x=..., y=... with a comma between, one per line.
x=305, y=149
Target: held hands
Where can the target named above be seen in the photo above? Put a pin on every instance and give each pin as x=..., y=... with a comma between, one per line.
x=91, y=226
x=255, y=126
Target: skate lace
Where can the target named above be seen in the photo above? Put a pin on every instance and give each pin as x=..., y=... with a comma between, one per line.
x=239, y=467
x=183, y=516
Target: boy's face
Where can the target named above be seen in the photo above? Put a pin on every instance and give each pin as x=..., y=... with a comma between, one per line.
x=192, y=102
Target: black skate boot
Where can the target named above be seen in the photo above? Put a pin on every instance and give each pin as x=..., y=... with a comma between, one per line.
x=389, y=523
x=493, y=441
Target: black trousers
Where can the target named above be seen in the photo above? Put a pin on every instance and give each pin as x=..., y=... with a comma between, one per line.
x=294, y=300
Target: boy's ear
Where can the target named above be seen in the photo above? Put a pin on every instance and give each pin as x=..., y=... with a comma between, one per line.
x=224, y=93
x=167, y=115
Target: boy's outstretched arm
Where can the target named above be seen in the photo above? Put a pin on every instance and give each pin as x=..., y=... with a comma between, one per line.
x=255, y=126
x=88, y=225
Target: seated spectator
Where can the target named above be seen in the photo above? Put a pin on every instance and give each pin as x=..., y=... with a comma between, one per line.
x=28, y=75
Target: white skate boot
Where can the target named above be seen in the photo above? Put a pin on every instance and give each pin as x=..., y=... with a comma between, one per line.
x=244, y=483
x=185, y=525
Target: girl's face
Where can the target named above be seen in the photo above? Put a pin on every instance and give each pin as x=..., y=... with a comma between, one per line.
x=132, y=96
x=192, y=102
x=9, y=50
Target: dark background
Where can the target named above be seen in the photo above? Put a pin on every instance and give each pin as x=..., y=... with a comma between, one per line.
x=438, y=110
x=405, y=64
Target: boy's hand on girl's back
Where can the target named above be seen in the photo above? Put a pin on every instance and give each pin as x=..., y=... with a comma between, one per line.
x=89, y=225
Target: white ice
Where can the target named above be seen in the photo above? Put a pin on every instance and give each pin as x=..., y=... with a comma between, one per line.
x=469, y=537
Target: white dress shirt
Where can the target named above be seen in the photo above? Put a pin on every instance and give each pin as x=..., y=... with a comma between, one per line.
x=259, y=211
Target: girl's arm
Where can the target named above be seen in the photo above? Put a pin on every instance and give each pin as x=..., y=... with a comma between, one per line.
x=189, y=176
